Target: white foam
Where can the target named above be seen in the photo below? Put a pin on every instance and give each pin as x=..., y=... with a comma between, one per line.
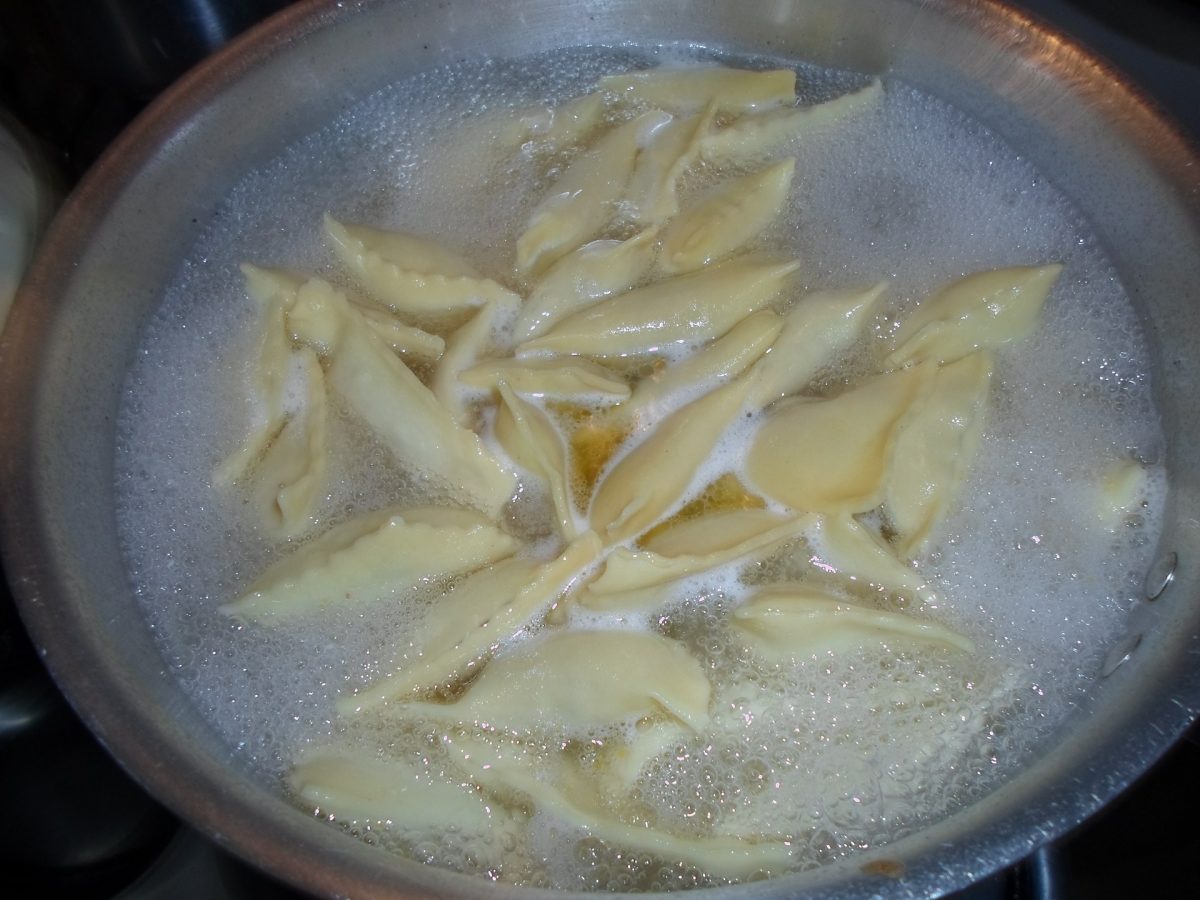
x=837, y=754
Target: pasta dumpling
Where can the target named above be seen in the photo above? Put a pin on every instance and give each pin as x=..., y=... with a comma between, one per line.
x=582, y=681
x=595, y=270
x=845, y=547
x=410, y=273
x=981, y=311
x=698, y=306
x=402, y=411
x=652, y=477
x=751, y=138
x=732, y=215
x=477, y=614
x=722, y=359
x=358, y=787
x=562, y=788
x=831, y=455
x=650, y=195
x=533, y=443
x=815, y=331
x=370, y=557
x=783, y=623
x=464, y=348
x=934, y=448
x=691, y=90
x=559, y=377
x=582, y=200
x=697, y=545
x=291, y=474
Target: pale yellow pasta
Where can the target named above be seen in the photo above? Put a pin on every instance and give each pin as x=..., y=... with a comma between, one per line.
x=532, y=442
x=696, y=545
x=463, y=349
x=831, y=455
x=401, y=410
x=650, y=479
x=476, y=615
x=815, y=331
x=621, y=763
x=595, y=270
x=559, y=786
x=729, y=217
x=577, y=682
x=755, y=137
x=785, y=623
x=563, y=126
x=934, y=448
x=984, y=310
x=361, y=787
x=695, y=307
x=844, y=547
x=1122, y=487
x=558, y=377
x=411, y=274
x=274, y=293
x=721, y=360
x=291, y=474
x=581, y=202
x=405, y=339
x=691, y=90
x=650, y=196
x=381, y=554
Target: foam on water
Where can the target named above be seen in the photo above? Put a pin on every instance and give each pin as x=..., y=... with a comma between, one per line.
x=836, y=754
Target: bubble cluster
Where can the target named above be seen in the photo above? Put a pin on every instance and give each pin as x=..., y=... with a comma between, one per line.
x=836, y=755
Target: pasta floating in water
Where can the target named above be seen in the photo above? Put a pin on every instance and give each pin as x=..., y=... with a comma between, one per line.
x=698, y=306
x=984, y=310
x=595, y=270
x=934, y=449
x=583, y=681
x=728, y=218
x=787, y=622
x=831, y=455
x=575, y=511
x=410, y=273
x=691, y=90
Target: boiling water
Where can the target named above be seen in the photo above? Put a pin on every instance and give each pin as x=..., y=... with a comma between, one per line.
x=837, y=755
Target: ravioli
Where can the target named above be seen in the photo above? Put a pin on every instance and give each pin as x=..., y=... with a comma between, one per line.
x=652, y=478
x=582, y=201
x=695, y=546
x=698, y=306
x=815, y=331
x=934, y=449
x=650, y=195
x=729, y=217
x=721, y=360
x=291, y=474
x=369, y=558
x=845, y=547
x=402, y=412
x=463, y=349
x=557, y=377
x=690, y=90
x=473, y=617
x=583, y=681
x=561, y=788
x=410, y=273
x=981, y=311
x=531, y=440
x=831, y=455
x=357, y=787
x=783, y=623
x=750, y=139
x=597, y=269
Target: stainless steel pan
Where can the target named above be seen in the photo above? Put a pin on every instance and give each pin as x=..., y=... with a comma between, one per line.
x=103, y=267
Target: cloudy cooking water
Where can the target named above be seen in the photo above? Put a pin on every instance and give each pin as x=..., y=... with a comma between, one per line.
x=838, y=753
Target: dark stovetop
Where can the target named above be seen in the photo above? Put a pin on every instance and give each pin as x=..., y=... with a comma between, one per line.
x=75, y=826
